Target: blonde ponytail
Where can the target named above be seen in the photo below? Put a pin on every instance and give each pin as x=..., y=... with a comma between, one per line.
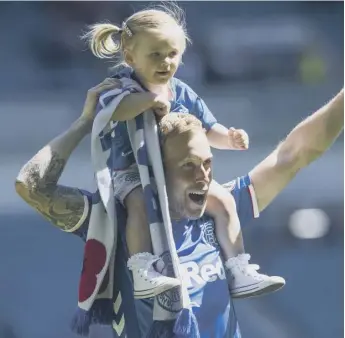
x=100, y=36
x=101, y=42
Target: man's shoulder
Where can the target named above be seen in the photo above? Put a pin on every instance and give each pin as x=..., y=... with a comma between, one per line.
x=238, y=183
x=243, y=192
x=231, y=185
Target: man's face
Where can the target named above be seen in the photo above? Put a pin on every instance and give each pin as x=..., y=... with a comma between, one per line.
x=187, y=160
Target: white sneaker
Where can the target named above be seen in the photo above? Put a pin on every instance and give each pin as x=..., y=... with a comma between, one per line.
x=147, y=281
x=247, y=282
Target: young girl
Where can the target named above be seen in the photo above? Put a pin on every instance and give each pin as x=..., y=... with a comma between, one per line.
x=152, y=43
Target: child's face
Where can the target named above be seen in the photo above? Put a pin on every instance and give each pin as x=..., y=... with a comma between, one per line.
x=156, y=54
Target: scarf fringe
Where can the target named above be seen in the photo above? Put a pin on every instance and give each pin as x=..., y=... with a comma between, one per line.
x=100, y=313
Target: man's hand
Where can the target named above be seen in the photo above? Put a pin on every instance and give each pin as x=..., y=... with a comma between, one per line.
x=91, y=101
x=238, y=139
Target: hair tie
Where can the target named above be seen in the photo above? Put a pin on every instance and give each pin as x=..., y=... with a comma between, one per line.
x=126, y=29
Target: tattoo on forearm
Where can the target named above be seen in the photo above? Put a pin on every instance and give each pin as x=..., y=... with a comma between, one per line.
x=37, y=184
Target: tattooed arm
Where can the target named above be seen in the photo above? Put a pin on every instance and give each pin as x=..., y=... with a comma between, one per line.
x=37, y=181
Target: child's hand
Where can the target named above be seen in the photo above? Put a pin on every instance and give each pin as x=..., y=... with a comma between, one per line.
x=161, y=106
x=238, y=139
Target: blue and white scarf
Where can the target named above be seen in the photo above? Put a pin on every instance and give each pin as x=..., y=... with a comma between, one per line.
x=97, y=282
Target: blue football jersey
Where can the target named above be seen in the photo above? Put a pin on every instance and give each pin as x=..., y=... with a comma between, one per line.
x=204, y=275
x=202, y=267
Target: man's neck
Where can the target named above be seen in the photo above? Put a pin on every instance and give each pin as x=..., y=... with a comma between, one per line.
x=177, y=217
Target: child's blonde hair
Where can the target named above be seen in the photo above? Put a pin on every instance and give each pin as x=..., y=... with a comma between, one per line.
x=100, y=36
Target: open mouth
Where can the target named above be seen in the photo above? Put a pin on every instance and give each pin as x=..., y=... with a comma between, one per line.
x=198, y=197
x=163, y=73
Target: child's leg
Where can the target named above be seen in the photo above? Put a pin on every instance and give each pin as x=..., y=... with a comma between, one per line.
x=147, y=282
x=222, y=207
x=244, y=281
x=137, y=229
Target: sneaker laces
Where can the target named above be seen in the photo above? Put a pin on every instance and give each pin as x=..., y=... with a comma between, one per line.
x=242, y=263
x=143, y=263
x=251, y=270
x=143, y=260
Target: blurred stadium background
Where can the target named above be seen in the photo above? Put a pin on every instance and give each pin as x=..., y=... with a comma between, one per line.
x=262, y=66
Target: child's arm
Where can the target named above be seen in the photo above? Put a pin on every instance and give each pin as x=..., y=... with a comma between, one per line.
x=222, y=138
x=136, y=103
x=221, y=206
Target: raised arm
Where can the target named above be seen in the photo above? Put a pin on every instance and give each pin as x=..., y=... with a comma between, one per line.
x=304, y=144
x=37, y=181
